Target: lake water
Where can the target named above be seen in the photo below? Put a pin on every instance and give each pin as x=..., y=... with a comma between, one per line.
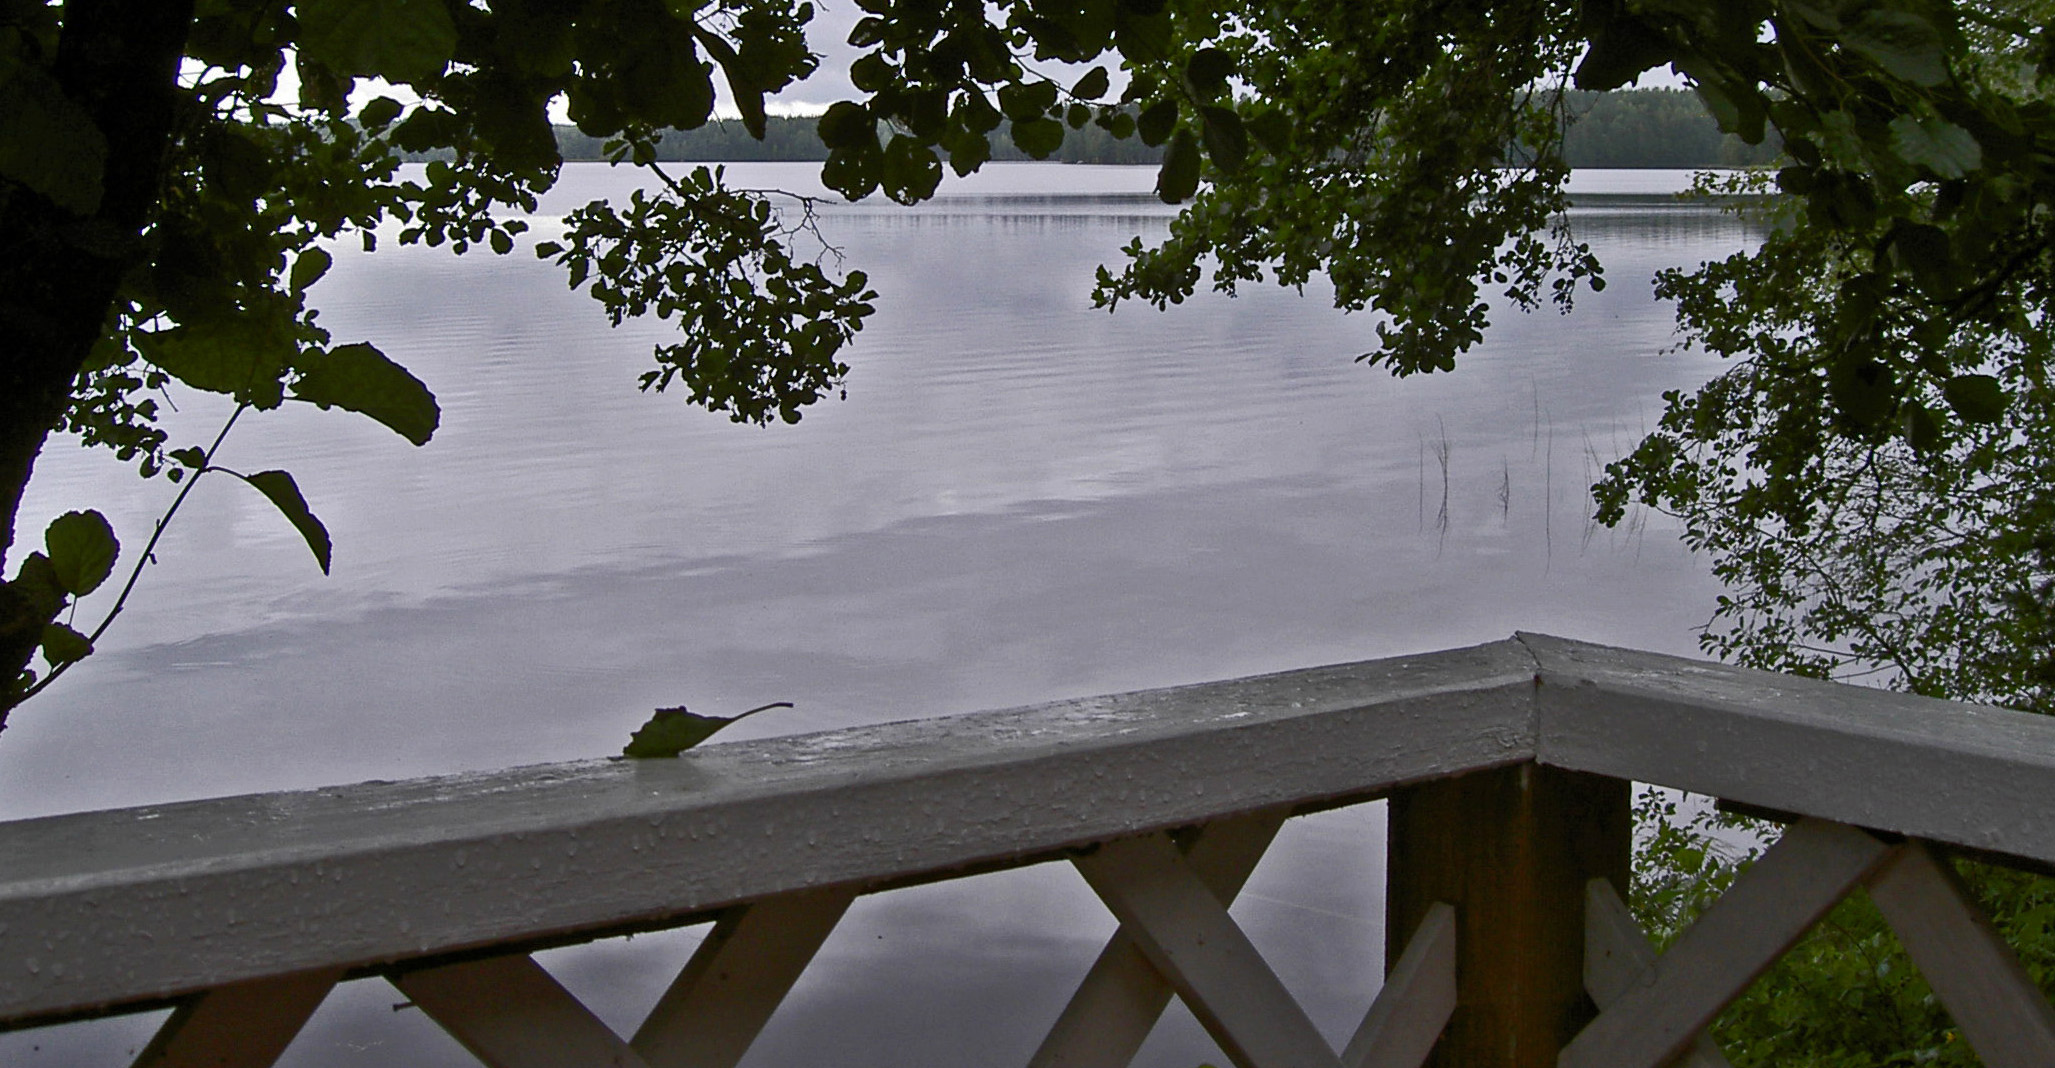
x=1022, y=499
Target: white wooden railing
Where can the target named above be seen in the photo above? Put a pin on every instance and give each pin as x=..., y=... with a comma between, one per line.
x=1507, y=767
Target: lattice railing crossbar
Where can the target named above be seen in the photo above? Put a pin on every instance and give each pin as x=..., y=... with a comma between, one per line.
x=1655, y=1011
x=1175, y=938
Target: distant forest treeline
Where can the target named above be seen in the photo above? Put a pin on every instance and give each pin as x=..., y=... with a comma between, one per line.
x=796, y=139
x=1625, y=128
x=1654, y=128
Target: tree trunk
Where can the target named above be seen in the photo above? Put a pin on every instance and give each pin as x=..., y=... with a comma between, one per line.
x=59, y=272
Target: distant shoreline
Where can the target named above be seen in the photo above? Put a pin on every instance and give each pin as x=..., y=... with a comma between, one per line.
x=1628, y=129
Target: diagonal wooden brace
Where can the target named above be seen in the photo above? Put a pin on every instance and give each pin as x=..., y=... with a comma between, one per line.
x=1761, y=916
x=728, y=990
x=1418, y=997
x=1186, y=933
x=510, y=1013
x=2000, y=1010
x=1617, y=955
x=1121, y=998
x=241, y=1025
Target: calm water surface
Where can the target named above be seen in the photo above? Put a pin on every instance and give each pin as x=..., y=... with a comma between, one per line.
x=1021, y=499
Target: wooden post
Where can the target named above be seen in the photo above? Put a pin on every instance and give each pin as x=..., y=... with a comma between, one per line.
x=1511, y=848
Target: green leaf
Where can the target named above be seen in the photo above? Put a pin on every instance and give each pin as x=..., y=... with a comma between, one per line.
x=1905, y=44
x=1925, y=252
x=1093, y=85
x=911, y=171
x=36, y=581
x=1738, y=110
x=1862, y=388
x=379, y=113
x=63, y=645
x=1621, y=48
x=1118, y=123
x=1179, y=177
x=1024, y=102
x=1226, y=142
x=284, y=493
x=847, y=125
x=309, y=268
x=673, y=730
x=1209, y=70
x=48, y=142
x=398, y=40
x=1940, y=146
x=1923, y=429
x=1039, y=138
x=359, y=378
x=1976, y=398
x=1156, y=122
x=82, y=550
x=853, y=172
x=1142, y=37
x=191, y=457
x=872, y=72
x=242, y=356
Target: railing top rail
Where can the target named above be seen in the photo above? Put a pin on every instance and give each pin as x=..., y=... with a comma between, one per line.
x=102, y=908
x=117, y=907
x=1968, y=775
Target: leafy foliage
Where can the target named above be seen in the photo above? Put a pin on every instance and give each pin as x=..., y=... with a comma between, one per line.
x=761, y=328
x=209, y=277
x=1869, y=478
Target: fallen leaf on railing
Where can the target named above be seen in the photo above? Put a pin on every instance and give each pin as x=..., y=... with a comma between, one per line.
x=673, y=730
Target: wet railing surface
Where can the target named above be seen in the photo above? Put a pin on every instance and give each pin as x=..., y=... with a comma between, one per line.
x=1507, y=766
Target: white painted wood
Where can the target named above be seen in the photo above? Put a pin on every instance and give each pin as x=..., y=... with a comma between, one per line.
x=1121, y=998
x=2000, y=1010
x=1617, y=956
x=237, y=889
x=220, y=891
x=1407, y=1018
x=1967, y=775
x=510, y=1013
x=1767, y=909
x=242, y=1025
x=735, y=980
x=1187, y=934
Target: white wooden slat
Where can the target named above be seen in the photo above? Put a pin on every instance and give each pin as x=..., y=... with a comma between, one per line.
x=1767, y=909
x=1406, y=1020
x=1121, y=998
x=735, y=980
x=242, y=1025
x=378, y=873
x=2002, y=1013
x=1617, y=955
x=1189, y=937
x=510, y=1013
x=1968, y=775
